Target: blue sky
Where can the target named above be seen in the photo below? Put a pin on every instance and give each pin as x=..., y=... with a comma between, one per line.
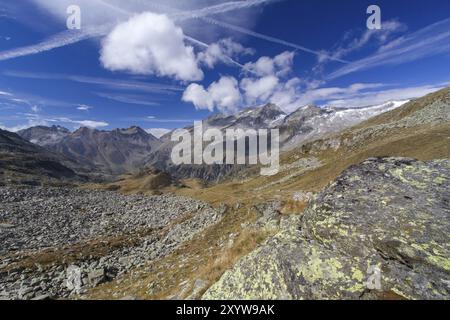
x=162, y=65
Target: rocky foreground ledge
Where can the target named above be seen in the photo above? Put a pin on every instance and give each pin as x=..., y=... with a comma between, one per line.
x=380, y=231
x=57, y=243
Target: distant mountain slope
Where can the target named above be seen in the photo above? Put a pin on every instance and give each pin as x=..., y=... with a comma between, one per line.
x=113, y=152
x=305, y=124
x=267, y=116
x=419, y=129
x=24, y=162
x=310, y=122
x=44, y=136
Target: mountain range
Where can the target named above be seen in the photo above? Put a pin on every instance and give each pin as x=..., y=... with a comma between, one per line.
x=111, y=152
x=121, y=151
x=305, y=124
x=26, y=163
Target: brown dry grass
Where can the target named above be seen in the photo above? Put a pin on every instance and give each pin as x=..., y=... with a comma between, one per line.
x=293, y=207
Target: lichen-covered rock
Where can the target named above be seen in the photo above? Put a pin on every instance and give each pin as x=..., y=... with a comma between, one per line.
x=381, y=230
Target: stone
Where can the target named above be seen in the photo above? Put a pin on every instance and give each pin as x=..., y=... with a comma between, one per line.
x=26, y=293
x=42, y=297
x=96, y=277
x=129, y=298
x=302, y=196
x=200, y=285
x=6, y=226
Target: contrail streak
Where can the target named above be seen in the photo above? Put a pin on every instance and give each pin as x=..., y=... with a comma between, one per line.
x=59, y=40
x=220, y=8
x=203, y=14
x=268, y=38
x=431, y=40
x=205, y=45
x=72, y=36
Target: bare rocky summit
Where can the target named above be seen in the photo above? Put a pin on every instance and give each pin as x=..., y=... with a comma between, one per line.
x=44, y=136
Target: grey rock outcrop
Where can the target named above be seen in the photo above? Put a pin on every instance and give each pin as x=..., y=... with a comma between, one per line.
x=379, y=231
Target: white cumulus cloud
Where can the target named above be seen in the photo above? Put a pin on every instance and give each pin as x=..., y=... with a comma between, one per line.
x=280, y=65
x=150, y=44
x=223, y=95
x=265, y=80
x=222, y=51
x=259, y=89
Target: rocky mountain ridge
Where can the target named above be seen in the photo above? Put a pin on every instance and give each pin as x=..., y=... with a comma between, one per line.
x=111, y=152
x=25, y=162
x=305, y=124
x=44, y=136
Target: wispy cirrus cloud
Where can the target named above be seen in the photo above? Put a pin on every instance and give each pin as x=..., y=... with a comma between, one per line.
x=109, y=14
x=381, y=96
x=59, y=40
x=158, y=88
x=352, y=42
x=14, y=100
x=83, y=123
x=429, y=41
x=204, y=15
x=29, y=123
x=269, y=38
x=128, y=99
x=84, y=107
x=122, y=13
x=152, y=119
x=211, y=10
x=365, y=94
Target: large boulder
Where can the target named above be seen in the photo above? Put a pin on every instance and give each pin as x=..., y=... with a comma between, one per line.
x=380, y=231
